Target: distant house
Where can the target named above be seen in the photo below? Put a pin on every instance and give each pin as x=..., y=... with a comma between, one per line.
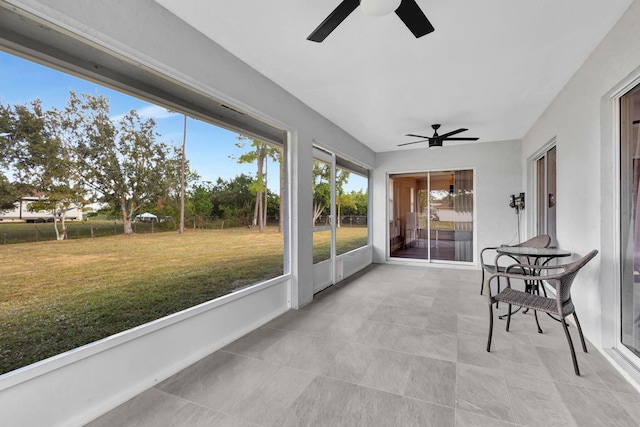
x=21, y=212
x=147, y=217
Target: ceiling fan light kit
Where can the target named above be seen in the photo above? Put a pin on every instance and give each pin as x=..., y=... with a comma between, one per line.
x=379, y=7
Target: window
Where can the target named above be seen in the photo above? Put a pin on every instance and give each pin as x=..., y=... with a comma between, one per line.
x=117, y=167
x=352, y=202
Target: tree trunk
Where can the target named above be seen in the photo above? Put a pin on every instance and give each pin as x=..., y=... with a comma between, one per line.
x=126, y=218
x=266, y=195
x=259, y=193
x=281, y=210
x=64, y=225
x=260, y=219
x=55, y=226
x=255, y=210
x=184, y=143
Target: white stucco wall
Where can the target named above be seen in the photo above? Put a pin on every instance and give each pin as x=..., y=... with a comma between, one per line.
x=582, y=121
x=497, y=171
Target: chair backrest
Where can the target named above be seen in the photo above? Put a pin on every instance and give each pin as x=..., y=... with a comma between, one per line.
x=564, y=282
x=540, y=241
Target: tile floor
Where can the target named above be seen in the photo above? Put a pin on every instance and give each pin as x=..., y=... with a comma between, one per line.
x=393, y=346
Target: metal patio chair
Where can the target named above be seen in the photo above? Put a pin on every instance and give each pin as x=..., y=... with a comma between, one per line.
x=540, y=241
x=560, y=306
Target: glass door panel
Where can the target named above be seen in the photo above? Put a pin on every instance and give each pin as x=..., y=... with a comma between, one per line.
x=630, y=221
x=321, y=246
x=322, y=207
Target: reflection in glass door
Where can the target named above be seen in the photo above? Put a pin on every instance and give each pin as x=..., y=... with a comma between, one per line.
x=431, y=215
x=630, y=221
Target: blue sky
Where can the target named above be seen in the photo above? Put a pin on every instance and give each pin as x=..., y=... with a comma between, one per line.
x=208, y=146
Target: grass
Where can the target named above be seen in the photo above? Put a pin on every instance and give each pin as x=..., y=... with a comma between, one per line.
x=347, y=239
x=56, y=296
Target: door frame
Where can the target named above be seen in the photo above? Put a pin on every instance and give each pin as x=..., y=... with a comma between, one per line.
x=534, y=199
x=429, y=261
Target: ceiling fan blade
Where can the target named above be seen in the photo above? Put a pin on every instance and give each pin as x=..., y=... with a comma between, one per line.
x=414, y=142
x=418, y=136
x=453, y=132
x=334, y=19
x=414, y=18
x=459, y=139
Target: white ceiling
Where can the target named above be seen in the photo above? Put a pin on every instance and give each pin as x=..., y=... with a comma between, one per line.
x=492, y=66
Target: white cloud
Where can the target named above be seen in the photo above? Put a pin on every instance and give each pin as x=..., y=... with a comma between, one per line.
x=156, y=112
x=150, y=111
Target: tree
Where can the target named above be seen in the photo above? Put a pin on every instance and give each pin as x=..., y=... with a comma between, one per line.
x=170, y=203
x=232, y=200
x=281, y=195
x=200, y=200
x=183, y=157
x=321, y=189
x=9, y=193
x=123, y=163
x=342, y=177
x=360, y=203
x=259, y=153
x=44, y=161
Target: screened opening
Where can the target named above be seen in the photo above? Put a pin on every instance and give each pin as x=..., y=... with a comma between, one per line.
x=93, y=236
x=340, y=206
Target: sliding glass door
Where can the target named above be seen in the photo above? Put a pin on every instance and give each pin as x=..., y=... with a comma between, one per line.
x=630, y=221
x=431, y=215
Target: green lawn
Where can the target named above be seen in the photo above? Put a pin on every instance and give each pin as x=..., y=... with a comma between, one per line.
x=55, y=296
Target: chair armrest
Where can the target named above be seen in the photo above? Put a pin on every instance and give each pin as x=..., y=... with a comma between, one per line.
x=492, y=248
x=508, y=276
x=526, y=276
x=515, y=260
x=542, y=267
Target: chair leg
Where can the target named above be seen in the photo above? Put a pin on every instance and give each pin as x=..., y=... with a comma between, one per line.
x=535, y=314
x=584, y=346
x=490, y=327
x=482, y=287
x=573, y=352
x=508, y=318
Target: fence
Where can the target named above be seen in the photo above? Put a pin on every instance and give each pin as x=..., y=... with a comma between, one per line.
x=20, y=232
x=24, y=233
x=345, y=220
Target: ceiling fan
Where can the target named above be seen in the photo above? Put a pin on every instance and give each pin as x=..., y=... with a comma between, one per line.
x=407, y=10
x=436, y=140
